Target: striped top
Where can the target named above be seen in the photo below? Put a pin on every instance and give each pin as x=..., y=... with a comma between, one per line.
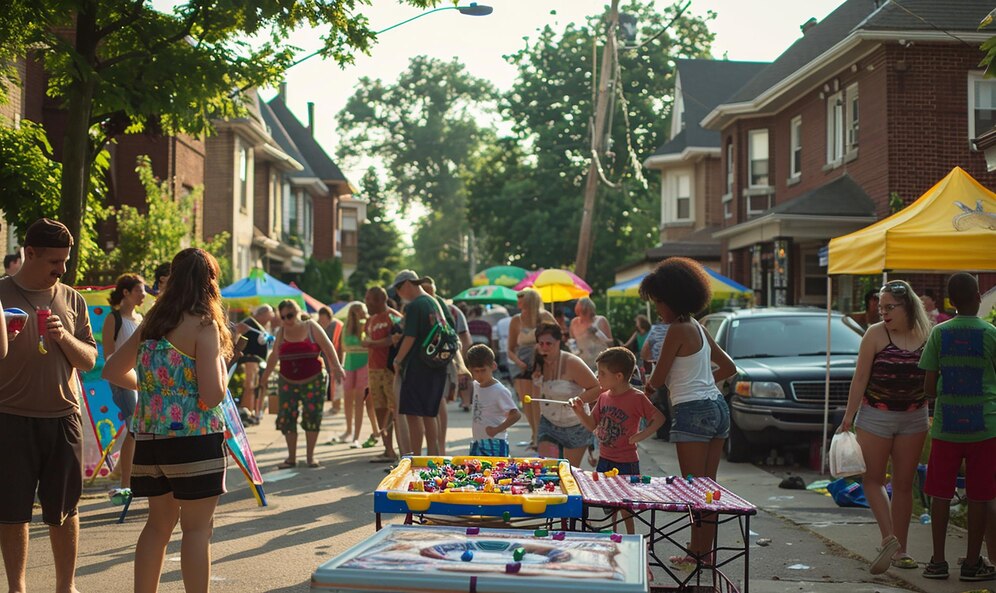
x=896, y=380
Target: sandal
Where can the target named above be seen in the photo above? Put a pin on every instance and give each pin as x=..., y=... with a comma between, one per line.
x=884, y=557
x=981, y=571
x=314, y=464
x=905, y=562
x=936, y=570
x=371, y=442
x=287, y=464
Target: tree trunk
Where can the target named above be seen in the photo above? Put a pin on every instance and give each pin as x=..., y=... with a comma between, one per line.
x=76, y=146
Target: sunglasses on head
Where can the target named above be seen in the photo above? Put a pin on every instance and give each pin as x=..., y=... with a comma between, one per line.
x=897, y=288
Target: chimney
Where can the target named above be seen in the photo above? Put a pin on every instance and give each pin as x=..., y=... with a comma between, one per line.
x=282, y=91
x=808, y=25
x=311, y=118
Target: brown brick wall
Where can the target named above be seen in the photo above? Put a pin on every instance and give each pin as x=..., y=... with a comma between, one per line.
x=13, y=109
x=219, y=181
x=324, y=227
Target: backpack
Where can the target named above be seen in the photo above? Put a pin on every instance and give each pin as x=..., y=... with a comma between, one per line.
x=441, y=345
x=117, y=323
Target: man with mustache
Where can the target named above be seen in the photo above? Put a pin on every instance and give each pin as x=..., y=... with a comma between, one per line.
x=40, y=424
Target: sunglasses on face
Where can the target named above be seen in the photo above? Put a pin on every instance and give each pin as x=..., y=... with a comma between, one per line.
x=288, y=316
x=896, y=288
x=888, y=308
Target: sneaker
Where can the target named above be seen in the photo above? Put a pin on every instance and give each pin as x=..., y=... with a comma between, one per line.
x=981, y=571
x=936, y=570
x=119, y=496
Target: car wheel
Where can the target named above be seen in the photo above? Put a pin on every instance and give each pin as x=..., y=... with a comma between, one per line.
x=737, y=447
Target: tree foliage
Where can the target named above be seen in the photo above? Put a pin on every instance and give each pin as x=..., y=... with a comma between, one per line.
x=322, y=278
x=121, y=66
x=526, y=191
x=29, y=186
x=424, y=128
x=379, y=243
x=147, y=239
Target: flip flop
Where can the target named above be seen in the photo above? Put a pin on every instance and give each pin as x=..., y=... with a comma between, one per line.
x=904, y=562
x=883, y=559
x=370, y=442
x=314, y=464
x=287, y=465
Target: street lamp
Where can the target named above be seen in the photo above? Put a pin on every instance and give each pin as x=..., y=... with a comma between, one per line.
x=473, y=9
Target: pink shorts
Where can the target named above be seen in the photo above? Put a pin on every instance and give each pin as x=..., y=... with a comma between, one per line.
x=945, y=462
x=356, y=380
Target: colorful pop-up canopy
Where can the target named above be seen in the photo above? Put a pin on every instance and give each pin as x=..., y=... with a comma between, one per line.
x=951, y=227
x=258, y=289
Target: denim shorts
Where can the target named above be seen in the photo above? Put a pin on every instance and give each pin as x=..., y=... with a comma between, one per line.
x=631, y=468
x=125, y=400
x=700, y=421
x=568, y=437
x=889, y=423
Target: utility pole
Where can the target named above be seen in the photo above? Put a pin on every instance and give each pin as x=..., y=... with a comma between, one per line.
x=606, y=84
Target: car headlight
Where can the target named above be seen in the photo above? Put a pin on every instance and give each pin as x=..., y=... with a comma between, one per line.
x=768, y=389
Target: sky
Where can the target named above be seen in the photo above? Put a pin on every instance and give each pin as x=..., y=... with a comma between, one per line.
x=758, y=30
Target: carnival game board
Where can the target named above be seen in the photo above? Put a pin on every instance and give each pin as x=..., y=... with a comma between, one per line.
x=406, y=558
x=480, y=486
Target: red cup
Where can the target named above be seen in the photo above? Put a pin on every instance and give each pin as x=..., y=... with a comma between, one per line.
x=42, y=315
x=15, y=319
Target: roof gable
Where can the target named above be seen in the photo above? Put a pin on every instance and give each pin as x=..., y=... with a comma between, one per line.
x=314, y=155
x=280, y=135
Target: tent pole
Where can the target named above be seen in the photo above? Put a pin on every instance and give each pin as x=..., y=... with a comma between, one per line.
x=885, y=277
x=826, y=385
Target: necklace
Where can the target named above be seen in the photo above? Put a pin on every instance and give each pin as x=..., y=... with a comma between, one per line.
x=28, y=301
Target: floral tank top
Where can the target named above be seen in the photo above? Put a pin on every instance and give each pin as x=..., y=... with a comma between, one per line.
x=168, y=402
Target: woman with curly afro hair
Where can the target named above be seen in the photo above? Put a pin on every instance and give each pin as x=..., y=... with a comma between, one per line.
x=700, y=419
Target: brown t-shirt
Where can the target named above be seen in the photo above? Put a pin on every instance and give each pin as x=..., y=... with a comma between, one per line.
x=35, y=384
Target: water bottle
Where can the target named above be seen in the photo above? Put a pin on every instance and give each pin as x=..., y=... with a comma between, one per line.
x=925, y=519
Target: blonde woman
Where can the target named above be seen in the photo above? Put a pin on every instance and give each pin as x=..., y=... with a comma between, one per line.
x=522, y=349
x=890, y=406
x=591, y=332
x=357, y=379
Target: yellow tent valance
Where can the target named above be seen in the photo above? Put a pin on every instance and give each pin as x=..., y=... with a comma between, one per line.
x=952, y=227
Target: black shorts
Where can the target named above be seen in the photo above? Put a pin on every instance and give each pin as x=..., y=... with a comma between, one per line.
x=190, y=467
x=43, y=455
x=421, y=390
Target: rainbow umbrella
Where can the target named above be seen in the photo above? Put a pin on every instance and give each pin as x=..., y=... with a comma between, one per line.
x=556, y=285
x=499, y=276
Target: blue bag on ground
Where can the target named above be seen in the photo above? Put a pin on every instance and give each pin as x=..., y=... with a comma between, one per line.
x=847, y=493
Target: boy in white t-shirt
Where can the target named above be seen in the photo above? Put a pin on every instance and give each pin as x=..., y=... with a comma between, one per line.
x=494, y=408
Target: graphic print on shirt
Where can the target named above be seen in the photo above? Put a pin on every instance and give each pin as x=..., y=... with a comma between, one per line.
x=610, y=425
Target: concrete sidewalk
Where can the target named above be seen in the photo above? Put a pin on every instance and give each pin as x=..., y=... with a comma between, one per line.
x=851, y=535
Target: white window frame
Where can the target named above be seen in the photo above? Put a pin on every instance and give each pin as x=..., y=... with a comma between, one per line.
x=750, y=199
x=729, y=166
x=678, y=178
x=242, y=175
x=835, y=128
x=795, y=140
x=852, y=117
x=750, y=157
x=973, y=79
x=728, y=206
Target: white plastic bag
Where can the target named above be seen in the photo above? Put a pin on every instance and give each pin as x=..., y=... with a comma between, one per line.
x=846, y=459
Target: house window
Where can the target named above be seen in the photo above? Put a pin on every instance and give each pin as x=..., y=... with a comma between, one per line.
x=683, y=198
x=795, y=133
x=814, y=279
x=758, y=204
x=308, y=217
x=851, y=116
x=757, y=146
x=243, y=188
x=728, y=206
x=729, y=166
x=292, y=214
x=981, y=105
x=275, y=209
x=835, y=128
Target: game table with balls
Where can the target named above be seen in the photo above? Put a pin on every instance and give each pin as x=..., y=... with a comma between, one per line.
x=480, y=491
x=668, y=507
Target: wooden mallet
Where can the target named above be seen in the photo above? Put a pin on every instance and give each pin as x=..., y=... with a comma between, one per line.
x=527, y=400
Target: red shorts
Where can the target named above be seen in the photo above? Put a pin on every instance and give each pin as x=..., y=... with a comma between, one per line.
x=945, y=463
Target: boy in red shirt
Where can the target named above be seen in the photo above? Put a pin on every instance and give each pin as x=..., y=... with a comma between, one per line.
x=615, y=417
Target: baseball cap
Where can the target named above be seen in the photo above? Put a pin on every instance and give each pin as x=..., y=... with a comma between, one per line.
x=405, y=276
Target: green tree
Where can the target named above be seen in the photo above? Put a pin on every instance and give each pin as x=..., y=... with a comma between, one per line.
x=147, y=239
x=322, y=278
x=121, y=66
x=536, y=210
x=379, y=243
x=29, y=186
x=988, y=47
x=423, y=128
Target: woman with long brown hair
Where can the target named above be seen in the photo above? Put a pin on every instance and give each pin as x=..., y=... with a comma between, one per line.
x=301, y=384
x=175, y=360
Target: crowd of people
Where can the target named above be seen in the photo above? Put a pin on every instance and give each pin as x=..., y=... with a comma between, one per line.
x=404, y=352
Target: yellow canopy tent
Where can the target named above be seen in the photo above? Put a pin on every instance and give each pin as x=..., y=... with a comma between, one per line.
x=952, y=227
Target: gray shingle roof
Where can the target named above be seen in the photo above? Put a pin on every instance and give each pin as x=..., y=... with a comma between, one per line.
x=280, y=135
x=698, y=245
x=704, y=85
x=840, y=197
x=950, y=15
x=317, y=159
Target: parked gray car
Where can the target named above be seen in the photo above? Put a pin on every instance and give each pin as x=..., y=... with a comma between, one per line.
x=777, y=396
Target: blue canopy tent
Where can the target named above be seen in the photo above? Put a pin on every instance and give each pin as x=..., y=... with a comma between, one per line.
x=723, y=289
x=257, y=289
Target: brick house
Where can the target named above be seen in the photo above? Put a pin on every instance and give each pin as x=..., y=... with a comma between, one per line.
x=690, y=164
x=877, y=99
x=337, y=214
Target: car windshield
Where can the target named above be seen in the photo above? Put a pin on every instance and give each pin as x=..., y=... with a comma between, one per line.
x=790, y=335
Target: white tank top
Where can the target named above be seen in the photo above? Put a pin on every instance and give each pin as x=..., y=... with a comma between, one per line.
x=560, y=390
x=690, y=378
x=128, y=327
